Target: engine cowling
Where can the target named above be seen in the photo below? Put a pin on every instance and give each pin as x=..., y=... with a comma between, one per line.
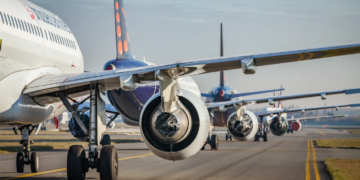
x=177, y=135
x=296, y=126
x=75, y=129
x=277, y=127
x=243, y=130
x=111, y=125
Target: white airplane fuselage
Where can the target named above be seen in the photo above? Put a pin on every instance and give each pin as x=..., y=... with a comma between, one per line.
x=34, y=43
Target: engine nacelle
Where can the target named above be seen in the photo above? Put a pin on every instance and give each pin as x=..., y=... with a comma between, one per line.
x=296, y=126
x=243, y=130
x=178, y=135
x=76, y=130
x=111, y=125
x=277, y=127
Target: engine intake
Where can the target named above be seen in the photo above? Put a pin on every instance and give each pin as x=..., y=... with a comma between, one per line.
x=243, y=130
x=177, y=135
x=277, y=127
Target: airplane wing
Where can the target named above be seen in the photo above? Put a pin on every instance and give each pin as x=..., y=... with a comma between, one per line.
x=317, y=117
x=242, y=94
x=271, y=100
x=302, y=110
x=44, y=90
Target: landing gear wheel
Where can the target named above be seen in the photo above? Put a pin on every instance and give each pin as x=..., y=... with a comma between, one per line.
x=106, y=140
x=291, y=131
x=226, y=137
x=34, y=162
x=75, y=163
x=257, y=137
x=214, y=143
x=230, y=138
x=108, y=165
x=20, y=162
x=265, y=136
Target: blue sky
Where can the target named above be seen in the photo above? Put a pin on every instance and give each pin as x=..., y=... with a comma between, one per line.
x=169, y=31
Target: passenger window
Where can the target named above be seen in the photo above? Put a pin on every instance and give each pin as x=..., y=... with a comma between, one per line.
x=42, y=33
x=45, y=34
x=28, y=27
x=2, y=18
x=9, y=20
x=12, y=19
x=24, y=26
x=17, y=26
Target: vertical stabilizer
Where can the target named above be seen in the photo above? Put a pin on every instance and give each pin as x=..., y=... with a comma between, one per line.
x=222, y=76
x=121, y=33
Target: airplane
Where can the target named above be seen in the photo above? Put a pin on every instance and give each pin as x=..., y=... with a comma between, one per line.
x=295, y=123
x=269, y=121
x=43, y=71
x=221, y=93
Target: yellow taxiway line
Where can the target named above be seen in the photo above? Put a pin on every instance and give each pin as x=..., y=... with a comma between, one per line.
x=308, y=175
x=320, y=132
x=316, y=170
x=63, y=169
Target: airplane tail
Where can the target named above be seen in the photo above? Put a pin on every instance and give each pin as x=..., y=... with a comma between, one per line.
x=122, y=36
x=280, y=105
x=222, y=76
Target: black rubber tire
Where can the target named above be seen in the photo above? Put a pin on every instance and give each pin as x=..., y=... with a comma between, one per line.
x=106, y=140
x=291, y=131
x=265, y=136
x=75, y=163
x=214, y=142
x=20, y=162
x=230, y=138
x=108, y=164
x=34, y=162
x=226, y=137
x=257, y=137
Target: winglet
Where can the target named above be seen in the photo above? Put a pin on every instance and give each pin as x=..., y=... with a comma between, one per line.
x=121, y=33
x=355, y=105
x=352, y=91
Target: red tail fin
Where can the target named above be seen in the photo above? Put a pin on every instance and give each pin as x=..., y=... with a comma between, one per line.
x=122, y=36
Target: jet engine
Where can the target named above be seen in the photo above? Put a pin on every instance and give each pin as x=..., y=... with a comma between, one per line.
x=245, y=129
x=76, y=130
x=177, y=135
x=279, y=127
x=296, y=126
x=111, y=125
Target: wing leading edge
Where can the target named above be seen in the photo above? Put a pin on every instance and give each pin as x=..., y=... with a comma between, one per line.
x=77, y=83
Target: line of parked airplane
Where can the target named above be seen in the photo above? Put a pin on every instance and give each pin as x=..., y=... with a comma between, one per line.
x=42, y=74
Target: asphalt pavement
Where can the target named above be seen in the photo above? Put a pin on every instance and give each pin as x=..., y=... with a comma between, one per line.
x=291, y=156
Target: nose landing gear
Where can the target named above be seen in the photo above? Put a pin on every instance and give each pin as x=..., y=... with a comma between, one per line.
x=26, y=157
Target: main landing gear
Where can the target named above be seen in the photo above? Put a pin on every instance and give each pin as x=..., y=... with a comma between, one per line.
x=262, y=133
x=26, y=156
x=213, y=141
x=78, y=163
x=228, y=136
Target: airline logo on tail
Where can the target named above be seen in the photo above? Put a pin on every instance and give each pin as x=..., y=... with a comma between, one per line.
x=122, y=36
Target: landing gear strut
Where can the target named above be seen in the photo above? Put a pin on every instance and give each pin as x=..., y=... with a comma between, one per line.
x=213, y=141
x=25, y=156
x=262, y=133
x=77, y=162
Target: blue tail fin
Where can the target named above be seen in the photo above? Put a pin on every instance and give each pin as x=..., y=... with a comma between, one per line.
x=222, y=76
x=122, y=36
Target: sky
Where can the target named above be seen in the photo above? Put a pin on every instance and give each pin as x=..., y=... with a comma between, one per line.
x=167, y=31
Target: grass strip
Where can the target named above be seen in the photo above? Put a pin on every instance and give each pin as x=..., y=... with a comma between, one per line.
x=344, y=169
x=338, y=143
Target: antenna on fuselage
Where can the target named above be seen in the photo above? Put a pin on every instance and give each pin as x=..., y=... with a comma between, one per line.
x=222, y=77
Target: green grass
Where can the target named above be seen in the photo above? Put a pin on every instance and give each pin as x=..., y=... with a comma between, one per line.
x=338, y=143
x=352, y=131
x=343, y=169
